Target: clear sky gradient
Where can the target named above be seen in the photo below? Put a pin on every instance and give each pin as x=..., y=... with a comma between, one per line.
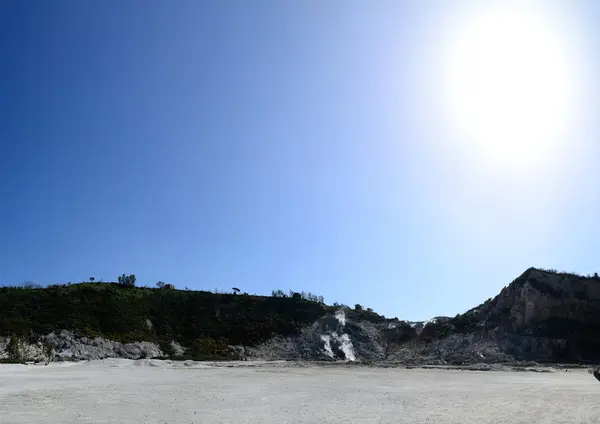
x=266, y=145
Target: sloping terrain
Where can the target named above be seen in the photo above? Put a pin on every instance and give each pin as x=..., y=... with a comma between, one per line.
x=203, y=321
x=541, y=316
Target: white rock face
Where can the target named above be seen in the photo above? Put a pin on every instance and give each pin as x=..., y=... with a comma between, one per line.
x=69, y=346
x=27, y=352
x=65, y=345
x=332, y=337
x=3, y=346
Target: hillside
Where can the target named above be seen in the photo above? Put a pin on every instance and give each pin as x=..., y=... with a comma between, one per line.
x=159, y=315
x=540, y=316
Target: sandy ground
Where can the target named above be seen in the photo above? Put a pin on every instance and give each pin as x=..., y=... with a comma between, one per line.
x=122, y=391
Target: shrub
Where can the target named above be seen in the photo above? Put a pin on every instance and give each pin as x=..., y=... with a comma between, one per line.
x=14, y=354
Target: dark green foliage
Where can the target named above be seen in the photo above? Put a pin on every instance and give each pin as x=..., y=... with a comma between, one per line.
x=127, y=280
x=466, y=322
x=120, y=313
x=365, y=315
x=401, y=332
x=166, y=348
x=13, y=346
x=569, y=275
x=299, y=295
x=14, y=356
x=278, y=293
x=204, y=347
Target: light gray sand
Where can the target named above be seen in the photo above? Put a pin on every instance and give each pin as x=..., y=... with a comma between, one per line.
x=122, y=391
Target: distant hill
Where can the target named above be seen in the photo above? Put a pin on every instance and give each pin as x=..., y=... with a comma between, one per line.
x=541, y=316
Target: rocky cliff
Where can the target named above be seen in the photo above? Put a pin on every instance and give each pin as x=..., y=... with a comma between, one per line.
x=546, y=316
x=66, y=346
x=541, y=316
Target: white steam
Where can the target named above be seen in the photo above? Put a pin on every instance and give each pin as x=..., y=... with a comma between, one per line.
x=341, y=317
x=341, y=339
x=345, y=345
x=327, y=340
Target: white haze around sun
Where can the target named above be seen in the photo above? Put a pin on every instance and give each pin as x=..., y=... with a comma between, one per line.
x=507, y=82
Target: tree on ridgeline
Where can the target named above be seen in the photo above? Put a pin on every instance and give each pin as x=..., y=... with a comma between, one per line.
x=127, y=280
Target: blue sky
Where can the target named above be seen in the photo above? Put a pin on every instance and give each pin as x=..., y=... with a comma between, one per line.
x=268, y=145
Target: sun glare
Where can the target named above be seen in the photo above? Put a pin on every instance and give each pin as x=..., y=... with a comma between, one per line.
x=508, y=86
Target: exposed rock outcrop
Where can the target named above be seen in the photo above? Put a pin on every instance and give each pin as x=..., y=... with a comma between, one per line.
x=332, y=337
x=545, y=316
x=4, y=347
x=64, y=345
x=20, y=350
x=541, y=316
x=67, y=345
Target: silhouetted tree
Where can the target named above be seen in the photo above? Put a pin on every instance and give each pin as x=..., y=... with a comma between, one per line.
x=92, y=279
x=127, y=280
x=278, y=293
x=160, y=284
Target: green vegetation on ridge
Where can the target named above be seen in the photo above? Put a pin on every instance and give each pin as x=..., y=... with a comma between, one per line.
x=206, y=322
x=126, y=313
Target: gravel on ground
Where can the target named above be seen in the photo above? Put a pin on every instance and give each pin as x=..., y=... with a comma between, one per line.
x=151, y=391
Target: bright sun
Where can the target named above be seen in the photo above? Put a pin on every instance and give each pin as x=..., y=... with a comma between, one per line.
x=508, y=86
